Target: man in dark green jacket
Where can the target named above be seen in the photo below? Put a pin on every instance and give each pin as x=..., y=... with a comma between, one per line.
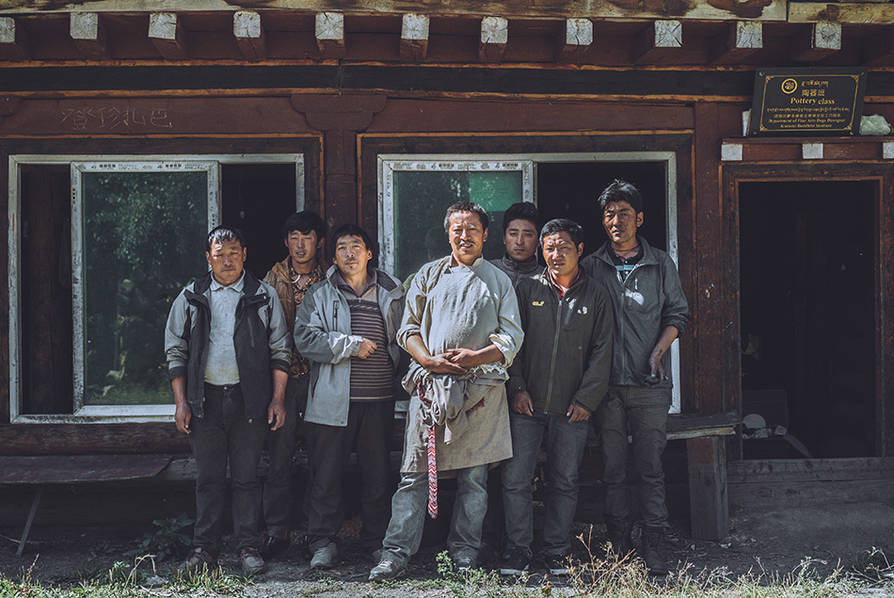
x=557, y=380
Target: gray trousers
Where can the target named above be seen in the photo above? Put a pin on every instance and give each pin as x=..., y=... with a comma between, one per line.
x=409, y=509
x=278, y=492
x=643, y=413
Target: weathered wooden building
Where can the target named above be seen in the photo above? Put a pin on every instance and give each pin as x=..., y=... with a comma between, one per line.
x=127, y=127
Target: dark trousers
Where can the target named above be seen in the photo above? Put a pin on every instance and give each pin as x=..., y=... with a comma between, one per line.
x=281, y=447
x=224, y=434
x=369, y=433
x=643, y=413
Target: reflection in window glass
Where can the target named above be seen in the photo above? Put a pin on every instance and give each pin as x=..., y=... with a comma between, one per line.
x=144, y=239
x=421, y=198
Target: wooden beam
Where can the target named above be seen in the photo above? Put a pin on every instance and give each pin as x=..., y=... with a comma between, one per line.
x=494, y=37
x=167, y=35
x=13, y=42
x=88, y=33
x=880, y=48
x=577, y=39
x=743, y=38
x=708, y=502
x=862, y=13
x=329, y=29
x=414, y=37
x=824, y=39
x=249, y=34
x=661, y=37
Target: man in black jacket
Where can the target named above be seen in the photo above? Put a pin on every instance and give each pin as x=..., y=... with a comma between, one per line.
x=521, y=230
x=228, y=348
x=650, y=312
x=557, y=380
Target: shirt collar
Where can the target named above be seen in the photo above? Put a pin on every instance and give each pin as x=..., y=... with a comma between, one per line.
x=236, y=286
x=562, y=290
x=372, y=280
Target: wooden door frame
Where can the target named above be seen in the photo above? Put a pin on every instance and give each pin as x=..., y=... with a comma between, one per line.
x=880, y=173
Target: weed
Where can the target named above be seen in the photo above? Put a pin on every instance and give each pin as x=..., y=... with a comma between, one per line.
x=167, y=540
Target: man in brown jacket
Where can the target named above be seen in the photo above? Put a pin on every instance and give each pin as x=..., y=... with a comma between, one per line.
x=304, y=235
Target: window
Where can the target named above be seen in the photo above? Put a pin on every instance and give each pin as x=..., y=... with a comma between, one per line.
x=137, y=231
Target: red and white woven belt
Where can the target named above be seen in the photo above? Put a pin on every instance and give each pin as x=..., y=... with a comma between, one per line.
x=432, y=463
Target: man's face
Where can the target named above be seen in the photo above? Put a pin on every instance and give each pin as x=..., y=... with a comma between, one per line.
x=226, y=260
x=560, y=254
x=621, y=221
x=351, y=255
x=303, y=246
x=466, y=236
x=520, y=239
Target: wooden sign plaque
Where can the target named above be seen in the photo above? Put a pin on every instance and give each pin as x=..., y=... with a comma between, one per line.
x=793, y=101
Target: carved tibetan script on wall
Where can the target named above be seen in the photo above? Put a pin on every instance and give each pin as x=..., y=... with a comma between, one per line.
x=793, y=101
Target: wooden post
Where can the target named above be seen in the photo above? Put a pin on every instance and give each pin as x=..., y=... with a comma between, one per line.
x=708, y=502
x=249, y=34
x=88, y=33
x=825, y=39
x=662, y=36
x=494, y=37
x=167, y=35
x=577, y=38
x=414, y=37
x=743, y=39
x=329, y=28
x=13, y=44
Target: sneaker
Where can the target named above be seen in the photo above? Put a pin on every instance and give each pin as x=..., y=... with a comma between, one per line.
x=252, y=561
x=650, y=550
x=515, y=562
x=274, y=546
x=557, y=564
x=198, y=559
x=387, y=569
x=324, y=557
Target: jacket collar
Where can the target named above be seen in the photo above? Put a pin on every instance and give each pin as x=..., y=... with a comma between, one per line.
x=382, y=279
x=528, y=265
x=603, y=253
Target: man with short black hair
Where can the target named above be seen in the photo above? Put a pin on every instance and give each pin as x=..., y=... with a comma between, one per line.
x=521, y=229
x=650, y=312
x=227, y=346
x=346, y=327
x=461, y=327
x=304, y=235
x=556, y=381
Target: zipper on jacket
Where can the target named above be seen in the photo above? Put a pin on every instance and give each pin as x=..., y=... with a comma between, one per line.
x=335, y=314
x=552, y=360
x=624, y=287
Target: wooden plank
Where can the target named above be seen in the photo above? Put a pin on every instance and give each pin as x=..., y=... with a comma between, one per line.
x=760, y=471
x=743, y=39
x=824, y=40
x=774, y=10
x=89, y=35
x=70, y=469
x=13, y=40
x=577, y=37
x=879, y=49
x=659, y=39
x=863, y=13
x=708, y=504
x=756, y=497
x=329, y=30
x=249, y=34
x=167, y=35
x=493, y=40
x=414, y=37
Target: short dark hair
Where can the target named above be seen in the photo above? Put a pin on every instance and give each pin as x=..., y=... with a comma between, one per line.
x=348, y=230
x=304, y=222
x=563, y=225
x=219, y=234
x=619, y=190
x=466, y=206
x=523, y=210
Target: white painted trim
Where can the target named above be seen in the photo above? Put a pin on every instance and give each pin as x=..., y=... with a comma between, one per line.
x=90, y=413
x=888, y=150
x=731, y=152
x=385, y=191
x=812, y=151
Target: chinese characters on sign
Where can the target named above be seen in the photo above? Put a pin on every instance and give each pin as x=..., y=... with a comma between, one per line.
x=124, y=118
x=824, y=101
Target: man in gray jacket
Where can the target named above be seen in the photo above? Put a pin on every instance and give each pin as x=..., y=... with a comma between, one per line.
x=650, y=312
x=521, y=233
x=227, y=346
x=346, y=328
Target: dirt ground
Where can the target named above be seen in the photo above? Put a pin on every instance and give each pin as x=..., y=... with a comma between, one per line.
x=775, y=541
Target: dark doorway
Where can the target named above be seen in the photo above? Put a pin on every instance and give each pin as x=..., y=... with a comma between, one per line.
x=570, y=189
x=808, y=316
x=257, y=198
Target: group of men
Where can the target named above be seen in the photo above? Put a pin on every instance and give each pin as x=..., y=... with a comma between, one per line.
x=504, y=357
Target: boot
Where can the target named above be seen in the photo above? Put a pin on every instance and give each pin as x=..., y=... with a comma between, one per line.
x=650, y=550
x=619, y=536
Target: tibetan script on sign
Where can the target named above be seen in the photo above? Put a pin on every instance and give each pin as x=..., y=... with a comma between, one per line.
x=825, y=101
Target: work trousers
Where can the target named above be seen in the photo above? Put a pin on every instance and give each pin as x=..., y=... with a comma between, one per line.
x=278, y=486
x=224, y=434
x=409, y=509
x=641, y=412
x=369, y=433
x=565, y=443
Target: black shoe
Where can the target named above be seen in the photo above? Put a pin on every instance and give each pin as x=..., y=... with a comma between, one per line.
x=274, y=546
x=557, y=565
x=619, y=536
x=515, y=562
x=650, y=550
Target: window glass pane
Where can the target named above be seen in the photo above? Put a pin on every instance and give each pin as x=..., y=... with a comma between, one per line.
x=144, y=239
x=421, y=198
